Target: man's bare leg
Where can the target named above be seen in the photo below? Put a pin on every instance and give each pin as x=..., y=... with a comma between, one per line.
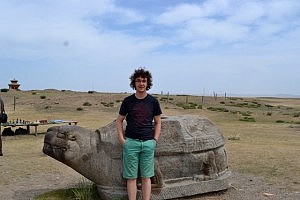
x=146, y=188
x=131, y=189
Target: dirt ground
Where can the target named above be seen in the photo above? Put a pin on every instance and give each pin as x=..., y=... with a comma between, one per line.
x=27, y=172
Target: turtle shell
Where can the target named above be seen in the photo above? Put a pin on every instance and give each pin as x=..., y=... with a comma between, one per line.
x=187, y=134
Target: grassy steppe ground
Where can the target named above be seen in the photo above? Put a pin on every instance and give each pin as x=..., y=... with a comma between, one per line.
x=262, y=134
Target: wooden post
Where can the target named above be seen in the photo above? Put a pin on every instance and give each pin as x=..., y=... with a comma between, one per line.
x=14, y=103
x=28, y=129
x=35, y=130
x=168, y=97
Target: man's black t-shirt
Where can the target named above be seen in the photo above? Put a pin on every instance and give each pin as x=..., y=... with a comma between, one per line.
x=139, y=116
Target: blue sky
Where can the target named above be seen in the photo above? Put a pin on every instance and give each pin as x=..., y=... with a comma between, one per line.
x=191, y=47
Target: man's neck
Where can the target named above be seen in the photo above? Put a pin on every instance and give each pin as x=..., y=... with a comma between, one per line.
x=140, y=95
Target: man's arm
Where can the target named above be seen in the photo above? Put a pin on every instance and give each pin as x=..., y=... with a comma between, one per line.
x=157, y=127
x=119, y=123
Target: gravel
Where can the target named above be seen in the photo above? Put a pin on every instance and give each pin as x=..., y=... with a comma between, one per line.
x=243, y=187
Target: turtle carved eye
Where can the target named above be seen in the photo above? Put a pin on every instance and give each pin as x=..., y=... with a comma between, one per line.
x=61, y=135
x=72, y=137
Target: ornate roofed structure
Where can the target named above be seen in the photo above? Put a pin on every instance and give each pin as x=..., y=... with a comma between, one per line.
x=14, y=85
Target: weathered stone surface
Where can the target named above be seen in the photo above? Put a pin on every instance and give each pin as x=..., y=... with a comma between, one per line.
x=190, y=157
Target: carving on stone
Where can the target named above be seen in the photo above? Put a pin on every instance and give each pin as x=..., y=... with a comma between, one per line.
x=190, y=157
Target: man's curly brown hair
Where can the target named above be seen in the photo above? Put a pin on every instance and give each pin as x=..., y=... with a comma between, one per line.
x=141, y=72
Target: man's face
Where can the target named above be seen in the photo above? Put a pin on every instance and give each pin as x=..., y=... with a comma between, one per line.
x=140, y=84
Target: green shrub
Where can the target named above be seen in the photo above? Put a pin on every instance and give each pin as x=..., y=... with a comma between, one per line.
x=269, y=106
x=296, y=114
x=87, y=104
x=55, y=194
x=248, y=119
x=47, y=107
x=110, y=104
x=83, y=191
x=79, y=109
x=166, y=99
x=189, y=105
x=42, y=97
x=218, y=109
x=247, y=113
x=244, y=104
x=234, y=137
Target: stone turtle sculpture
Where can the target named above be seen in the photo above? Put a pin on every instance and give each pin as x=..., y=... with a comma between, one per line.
x=190, y=157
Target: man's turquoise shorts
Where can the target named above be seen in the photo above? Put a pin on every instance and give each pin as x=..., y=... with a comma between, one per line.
x=138, y=157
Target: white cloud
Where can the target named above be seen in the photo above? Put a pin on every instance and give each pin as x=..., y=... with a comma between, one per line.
x=223, y=31
x=179, y=14
x=224, y=39
x=247, y=13
x=189, y=11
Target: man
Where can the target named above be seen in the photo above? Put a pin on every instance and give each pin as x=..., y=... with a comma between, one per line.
x=140, y=138
x=2, y=111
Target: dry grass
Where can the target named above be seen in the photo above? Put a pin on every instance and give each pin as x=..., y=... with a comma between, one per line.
x=265, y=148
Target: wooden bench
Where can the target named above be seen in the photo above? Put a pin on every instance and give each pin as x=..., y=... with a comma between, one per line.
x=36, y=124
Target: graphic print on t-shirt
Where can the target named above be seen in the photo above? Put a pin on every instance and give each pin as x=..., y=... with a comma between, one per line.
x=141, y=114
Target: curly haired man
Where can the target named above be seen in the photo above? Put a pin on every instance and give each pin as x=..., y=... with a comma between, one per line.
x=141, y=135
